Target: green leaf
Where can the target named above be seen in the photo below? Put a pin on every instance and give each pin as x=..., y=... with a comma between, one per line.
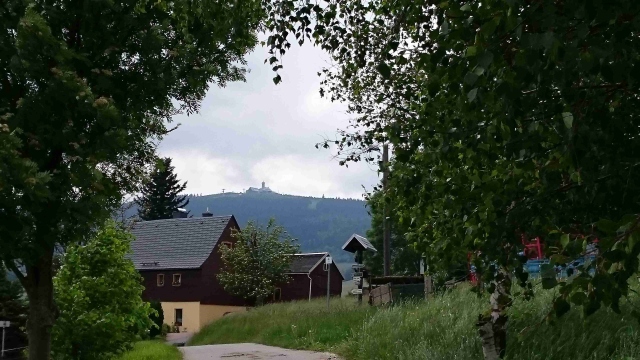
x=471, y=51
x=561, y=307
x=472, y=94
x=615, y=256
x=547, y=271
x=277, y=79
x=564, y=240
x=486, y=59
x=549, y=283
x=567, y=117
x=579, y=298
x=607, y=226
x=384, y=70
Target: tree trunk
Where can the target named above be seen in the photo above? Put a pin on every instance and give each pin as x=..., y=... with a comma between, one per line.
x=42, y=310
x=493, y=328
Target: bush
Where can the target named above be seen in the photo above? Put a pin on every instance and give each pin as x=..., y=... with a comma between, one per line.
x=166, y=328
x=98, y=292
x=157, y=317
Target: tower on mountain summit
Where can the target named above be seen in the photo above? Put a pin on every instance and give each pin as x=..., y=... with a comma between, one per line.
x=263, y=189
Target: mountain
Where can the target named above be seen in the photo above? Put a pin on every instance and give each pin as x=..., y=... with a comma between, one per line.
x=319, y=224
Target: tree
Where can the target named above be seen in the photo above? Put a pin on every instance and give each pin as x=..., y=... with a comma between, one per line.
x=157, y=318
x=405, y=260
x=86, y=91
x=257, y=262
x=160, y=196
x=507, y=118
x=98, y=291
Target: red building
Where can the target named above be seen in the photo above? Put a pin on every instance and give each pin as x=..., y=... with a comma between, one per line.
x=309, y=278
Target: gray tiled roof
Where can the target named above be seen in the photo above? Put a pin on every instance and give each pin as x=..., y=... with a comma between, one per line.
x=175, y=243
x=304, y=263
x=357, y=241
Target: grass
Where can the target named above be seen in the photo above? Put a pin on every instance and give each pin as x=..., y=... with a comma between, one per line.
x=442, y=328
x=152, y=350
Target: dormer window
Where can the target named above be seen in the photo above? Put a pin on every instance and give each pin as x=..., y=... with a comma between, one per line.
x=177, y=280
x=160, y=279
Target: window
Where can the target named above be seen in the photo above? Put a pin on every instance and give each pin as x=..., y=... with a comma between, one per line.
x=228, y=244
x=277, y=294
x=160, y=279
x=178, y=317
x=177, y=279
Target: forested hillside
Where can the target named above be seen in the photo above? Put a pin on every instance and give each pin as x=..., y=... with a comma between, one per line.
x=318, y=224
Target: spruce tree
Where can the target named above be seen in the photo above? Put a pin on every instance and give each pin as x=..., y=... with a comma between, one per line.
x=160, y=196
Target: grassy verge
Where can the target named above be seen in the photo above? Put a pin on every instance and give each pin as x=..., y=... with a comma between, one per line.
x=152, y=350
x=442, y=328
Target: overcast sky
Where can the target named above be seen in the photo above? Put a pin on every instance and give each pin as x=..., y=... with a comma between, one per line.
x=255, y=131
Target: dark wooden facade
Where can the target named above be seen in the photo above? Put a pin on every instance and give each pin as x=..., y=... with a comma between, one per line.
x=298, y=286
x=197, y=284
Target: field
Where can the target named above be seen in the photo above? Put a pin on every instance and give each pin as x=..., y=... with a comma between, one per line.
x=152, y=350
x=442, y=328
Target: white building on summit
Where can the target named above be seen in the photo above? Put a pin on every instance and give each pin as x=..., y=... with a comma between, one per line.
x=263, y=189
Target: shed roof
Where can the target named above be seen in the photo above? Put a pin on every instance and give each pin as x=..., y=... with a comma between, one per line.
x=176, y=243
x=357, y=242
x=305, y=263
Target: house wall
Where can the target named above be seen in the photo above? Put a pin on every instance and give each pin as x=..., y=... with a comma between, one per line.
x=215, y=294
x=298, y=287
x=211, y=313
x=189, y=290
x=199, y=285
x=319, y=284
x=190, y=314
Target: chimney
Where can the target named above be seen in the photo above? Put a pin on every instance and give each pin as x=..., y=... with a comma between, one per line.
x=207, y=213
x=180, y=213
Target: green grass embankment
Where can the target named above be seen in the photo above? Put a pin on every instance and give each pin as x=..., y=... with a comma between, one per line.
x=152, y=350
x=442, y=328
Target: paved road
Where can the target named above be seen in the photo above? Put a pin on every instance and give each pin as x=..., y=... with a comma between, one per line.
x=178, y=339
x=250, y=352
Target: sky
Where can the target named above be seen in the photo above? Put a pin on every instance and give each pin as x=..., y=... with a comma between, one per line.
x=255, y=131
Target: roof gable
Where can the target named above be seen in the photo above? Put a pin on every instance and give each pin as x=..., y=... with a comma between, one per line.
x=176, y=243
x=305, y=263
x=357, y=242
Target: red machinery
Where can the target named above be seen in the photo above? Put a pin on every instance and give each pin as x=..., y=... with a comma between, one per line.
x=533, y=250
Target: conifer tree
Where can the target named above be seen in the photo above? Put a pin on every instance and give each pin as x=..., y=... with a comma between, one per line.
x=160, y=197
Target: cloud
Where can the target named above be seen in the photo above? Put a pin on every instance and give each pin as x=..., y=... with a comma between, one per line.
x=253, y=131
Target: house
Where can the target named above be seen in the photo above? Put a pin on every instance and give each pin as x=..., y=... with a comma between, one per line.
x=179, y=259
x=309, y=278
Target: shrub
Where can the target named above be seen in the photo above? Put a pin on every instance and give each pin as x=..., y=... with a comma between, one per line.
x=157, y=317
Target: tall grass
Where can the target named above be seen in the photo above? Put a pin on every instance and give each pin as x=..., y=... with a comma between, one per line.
x=152, y=350
x=442, y=328
x=295, y=325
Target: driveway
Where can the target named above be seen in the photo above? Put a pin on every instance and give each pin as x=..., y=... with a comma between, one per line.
x=178, y=339
x=250, y=352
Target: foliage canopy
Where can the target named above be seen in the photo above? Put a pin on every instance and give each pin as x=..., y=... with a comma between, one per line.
x=257, y=261
x=507, y=118
x=98, y=292
x=86, y=89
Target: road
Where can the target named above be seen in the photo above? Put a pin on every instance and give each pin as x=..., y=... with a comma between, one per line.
x=250, y=352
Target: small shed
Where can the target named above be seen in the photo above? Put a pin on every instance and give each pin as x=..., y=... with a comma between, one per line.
x=309, y=278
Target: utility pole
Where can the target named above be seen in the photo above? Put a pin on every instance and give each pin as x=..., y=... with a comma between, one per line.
x=386, y=242
x=327, y=262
